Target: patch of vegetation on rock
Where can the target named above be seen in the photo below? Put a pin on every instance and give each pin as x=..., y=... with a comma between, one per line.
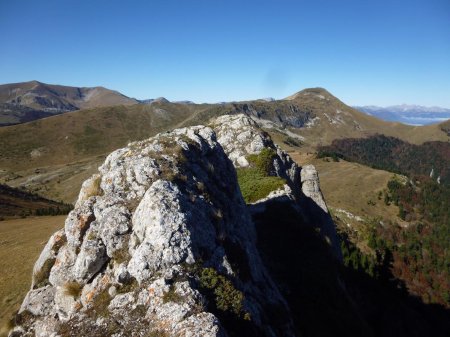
x=226, y=296
x=128, y=286
x=172, y=295
x=41, y=275
x=73, y=289
x=292, y=142
x=100, y=304
x=121, y=255
x=255, y=181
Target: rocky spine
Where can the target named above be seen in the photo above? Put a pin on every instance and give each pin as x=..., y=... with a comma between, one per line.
x=161, y=241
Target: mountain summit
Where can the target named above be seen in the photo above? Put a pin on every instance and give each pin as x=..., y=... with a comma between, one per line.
x=317, y=92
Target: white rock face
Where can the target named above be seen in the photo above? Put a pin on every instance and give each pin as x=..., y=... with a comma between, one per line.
x=240, y=136
x=311, y=186
x=317, y=208
x=130, y=257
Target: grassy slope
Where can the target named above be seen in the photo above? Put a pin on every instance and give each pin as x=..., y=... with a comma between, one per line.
x=86, y=133
x=54, y=155
x=21, y=241
x=350, y=186
x=56, y=182
x=14, y=202
x=81, y=134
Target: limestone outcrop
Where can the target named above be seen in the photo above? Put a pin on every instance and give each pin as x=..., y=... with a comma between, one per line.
x=240, y=136
x=160, y=243
x=311, y=186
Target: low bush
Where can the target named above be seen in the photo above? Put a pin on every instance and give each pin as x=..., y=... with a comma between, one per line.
x=227, y=297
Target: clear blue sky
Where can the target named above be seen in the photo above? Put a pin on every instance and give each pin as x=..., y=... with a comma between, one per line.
x=379, y=52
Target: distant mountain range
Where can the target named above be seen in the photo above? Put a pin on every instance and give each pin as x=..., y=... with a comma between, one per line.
x=408, y=114
x=83, y=137
x=28, y=101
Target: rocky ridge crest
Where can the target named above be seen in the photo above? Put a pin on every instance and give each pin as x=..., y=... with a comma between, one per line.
x=161, y=241
x=241, y=136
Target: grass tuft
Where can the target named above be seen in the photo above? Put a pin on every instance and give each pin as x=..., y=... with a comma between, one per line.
x=100, y=304
x=41, y=276
x=172, y=296
x=73, y=289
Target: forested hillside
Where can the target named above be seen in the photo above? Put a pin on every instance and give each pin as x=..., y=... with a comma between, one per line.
x=395, y=155
x=418, y=253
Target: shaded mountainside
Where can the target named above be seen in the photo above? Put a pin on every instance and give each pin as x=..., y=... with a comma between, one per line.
x=15, y=202
x=27, y=101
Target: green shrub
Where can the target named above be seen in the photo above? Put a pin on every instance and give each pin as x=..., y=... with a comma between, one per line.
x=227, y=297
x=263, y=161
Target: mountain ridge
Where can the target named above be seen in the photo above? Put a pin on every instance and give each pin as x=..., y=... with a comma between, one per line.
x=408, y=113
x=27, y=101
x=70, y=144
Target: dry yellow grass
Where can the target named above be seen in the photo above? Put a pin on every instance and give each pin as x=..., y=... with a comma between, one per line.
x=21, y=241
x=350, y=186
